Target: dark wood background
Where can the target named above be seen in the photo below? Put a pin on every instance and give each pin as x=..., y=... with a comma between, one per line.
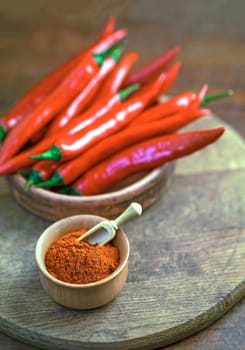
x=36, y=35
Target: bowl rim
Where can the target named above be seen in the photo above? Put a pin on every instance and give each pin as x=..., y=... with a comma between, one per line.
x=42, y=267
x=145, y=180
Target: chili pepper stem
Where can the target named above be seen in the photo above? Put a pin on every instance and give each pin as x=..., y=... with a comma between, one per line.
x=3, y=133
x=33, y=178
x=114, y=51
x=123, y=94
x=70, y=191
x=210, y=98
x=56, y=180
x=53, y=153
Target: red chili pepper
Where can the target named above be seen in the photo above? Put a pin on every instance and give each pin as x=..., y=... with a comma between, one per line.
x=166, y=108
x=116, y=79
x=80, y=103
x=143, y=156
x=23, y=159
x=74, y=144
x=69, y=171
x=147, y=72
x=57, y=100
x=40, y=91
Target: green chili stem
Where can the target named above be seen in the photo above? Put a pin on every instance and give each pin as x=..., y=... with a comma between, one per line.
x=56, y=180
x=3, y=133
x=53, y=153
x=33, y=178
x=210, y=98
x=114, y=51
x=69, y=190
x=123, y=94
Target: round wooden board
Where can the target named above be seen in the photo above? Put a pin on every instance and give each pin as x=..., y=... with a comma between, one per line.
x=186, y=266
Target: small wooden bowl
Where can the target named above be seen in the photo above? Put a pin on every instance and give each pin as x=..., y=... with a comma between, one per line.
x=144, y=188
x=81, y=296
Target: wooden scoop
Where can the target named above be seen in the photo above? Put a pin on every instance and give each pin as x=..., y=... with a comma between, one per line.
x=105, y=230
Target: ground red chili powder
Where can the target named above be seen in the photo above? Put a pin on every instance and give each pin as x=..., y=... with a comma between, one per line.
x=80, y=262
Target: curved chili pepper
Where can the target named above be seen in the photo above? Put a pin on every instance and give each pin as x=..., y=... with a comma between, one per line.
x=114, y=82
x=41, y=171
x=67, y=172
x=56, y=100
x=143, y=156
x=80, y=102
x=147, y=72
x=39, y=91
x=23, y=159
x=74, y=144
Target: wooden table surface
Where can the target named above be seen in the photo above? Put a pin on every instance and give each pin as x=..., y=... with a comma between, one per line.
x=37, y=35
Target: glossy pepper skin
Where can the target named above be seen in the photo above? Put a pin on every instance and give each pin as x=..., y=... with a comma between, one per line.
x=57, y=100
x=71, y=146
x=173, y=105
x=143, y=156
x=84, y=98
x=69, y=171
x=103, y=109
x=151, y=69
x=115, y=80
x=40, y=91
x=167, y=108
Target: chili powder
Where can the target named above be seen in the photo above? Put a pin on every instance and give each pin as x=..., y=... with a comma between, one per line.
x=79, y=262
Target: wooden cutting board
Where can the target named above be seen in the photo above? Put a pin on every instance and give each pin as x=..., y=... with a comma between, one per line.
x=186, y=265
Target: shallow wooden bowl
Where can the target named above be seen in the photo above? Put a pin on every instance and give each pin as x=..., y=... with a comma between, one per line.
x=144, y=188
x=81, y=296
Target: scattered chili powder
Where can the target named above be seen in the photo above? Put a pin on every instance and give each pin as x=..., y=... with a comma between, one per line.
x=80, y=262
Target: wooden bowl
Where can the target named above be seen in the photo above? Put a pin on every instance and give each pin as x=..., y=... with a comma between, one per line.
x=81, y=296
x=143, y=188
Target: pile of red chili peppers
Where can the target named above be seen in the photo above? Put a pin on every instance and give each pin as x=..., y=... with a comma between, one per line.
x=95, y=120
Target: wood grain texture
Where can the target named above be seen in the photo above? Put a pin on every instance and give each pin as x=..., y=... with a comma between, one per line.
x=212, y=39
